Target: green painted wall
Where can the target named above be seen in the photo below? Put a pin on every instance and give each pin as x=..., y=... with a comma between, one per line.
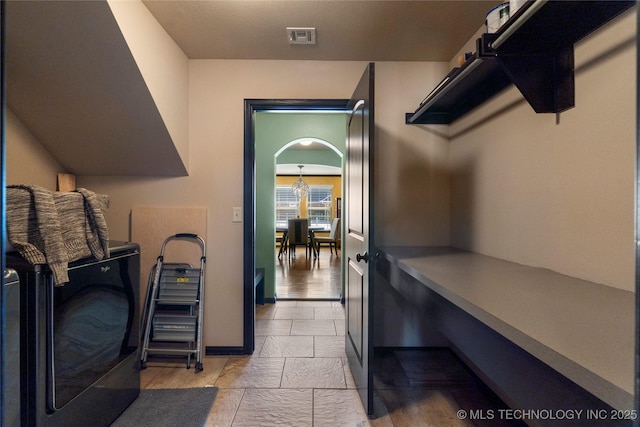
x=272, y=132
x=324, y=157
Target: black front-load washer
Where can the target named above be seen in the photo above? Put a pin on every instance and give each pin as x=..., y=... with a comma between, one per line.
x=79, y=341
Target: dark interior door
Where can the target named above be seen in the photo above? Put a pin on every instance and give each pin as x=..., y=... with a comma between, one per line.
x=358, y=238
x=3, y=366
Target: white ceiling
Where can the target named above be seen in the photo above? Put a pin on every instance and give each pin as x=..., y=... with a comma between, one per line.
x=346, y=30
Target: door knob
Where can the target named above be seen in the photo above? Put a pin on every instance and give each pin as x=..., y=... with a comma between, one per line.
x=364, y=257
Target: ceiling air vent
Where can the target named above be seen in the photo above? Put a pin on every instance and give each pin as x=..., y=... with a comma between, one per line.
x=301, y=35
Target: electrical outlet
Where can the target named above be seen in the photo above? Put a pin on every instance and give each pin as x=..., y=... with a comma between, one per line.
x=237, y=214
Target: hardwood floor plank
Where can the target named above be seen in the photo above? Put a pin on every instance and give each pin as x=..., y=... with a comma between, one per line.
x=304, y=277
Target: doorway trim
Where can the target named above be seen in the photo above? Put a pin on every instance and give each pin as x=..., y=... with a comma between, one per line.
x=251, y=106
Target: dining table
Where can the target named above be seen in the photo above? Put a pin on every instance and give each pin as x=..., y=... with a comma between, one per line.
x=312, y=238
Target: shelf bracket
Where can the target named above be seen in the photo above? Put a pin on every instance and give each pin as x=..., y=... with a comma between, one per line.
x=546, y=80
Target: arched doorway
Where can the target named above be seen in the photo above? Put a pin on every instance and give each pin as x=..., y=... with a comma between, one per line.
x=308, y=275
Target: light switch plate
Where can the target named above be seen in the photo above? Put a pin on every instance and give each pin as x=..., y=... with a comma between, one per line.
x=237, y=214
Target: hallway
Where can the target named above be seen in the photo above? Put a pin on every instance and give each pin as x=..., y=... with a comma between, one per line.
x=298, y=376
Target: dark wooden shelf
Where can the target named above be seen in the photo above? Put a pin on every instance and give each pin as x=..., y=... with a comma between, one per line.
x=554, y=24
x=533, y=50
x=479, y=79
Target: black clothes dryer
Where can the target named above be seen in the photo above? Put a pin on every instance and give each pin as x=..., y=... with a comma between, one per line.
x=79, y=341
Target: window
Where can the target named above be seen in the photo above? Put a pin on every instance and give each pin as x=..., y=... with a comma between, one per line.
x=319, y=205
x=286, y=205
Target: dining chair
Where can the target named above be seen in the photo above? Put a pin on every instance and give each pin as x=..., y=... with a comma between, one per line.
x=332, y=239
x=299, y=235
x=282, y=241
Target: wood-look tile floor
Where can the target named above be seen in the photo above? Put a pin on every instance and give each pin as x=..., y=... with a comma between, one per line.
x=298, y=376
x=303, y=277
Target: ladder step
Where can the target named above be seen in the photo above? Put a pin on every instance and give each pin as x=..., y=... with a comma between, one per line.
x=171, y=350
x=180, y=276
x=174, y=328
x=174, y=300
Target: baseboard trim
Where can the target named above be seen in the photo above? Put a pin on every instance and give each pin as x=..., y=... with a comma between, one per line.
x=224, y=351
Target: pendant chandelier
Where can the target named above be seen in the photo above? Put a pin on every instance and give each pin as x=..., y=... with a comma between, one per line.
x=300, y=188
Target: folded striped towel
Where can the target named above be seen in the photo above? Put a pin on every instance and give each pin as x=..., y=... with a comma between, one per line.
x=57, y=228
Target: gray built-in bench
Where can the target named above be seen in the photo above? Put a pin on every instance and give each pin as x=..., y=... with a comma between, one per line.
x=540, y=339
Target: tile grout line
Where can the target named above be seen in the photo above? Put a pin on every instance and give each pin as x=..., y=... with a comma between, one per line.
x=235, y=413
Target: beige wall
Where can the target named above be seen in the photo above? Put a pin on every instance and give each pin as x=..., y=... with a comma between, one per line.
x=164, y=67
x=216, y=152
x=411, y=181
x=522, y=187
x=555, y=195
x=28, y=161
